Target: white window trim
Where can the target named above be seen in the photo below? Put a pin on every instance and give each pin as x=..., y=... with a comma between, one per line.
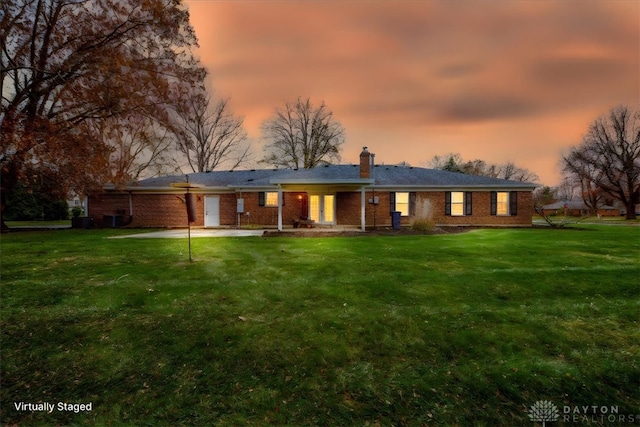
x=457, y=204
x=403, y=213
x=506, y=204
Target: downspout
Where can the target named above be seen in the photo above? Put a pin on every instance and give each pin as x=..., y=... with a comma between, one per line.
x=130, y=209
x=373, y=188
x=86, y=209
x=363, y=207
x=279, y=207
x=238, y=213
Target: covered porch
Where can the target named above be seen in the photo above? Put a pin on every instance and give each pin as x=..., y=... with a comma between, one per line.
x=323, y=206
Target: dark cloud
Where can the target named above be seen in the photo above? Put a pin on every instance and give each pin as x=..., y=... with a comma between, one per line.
x=570, y=72
x=458, y=70
x=482, y=107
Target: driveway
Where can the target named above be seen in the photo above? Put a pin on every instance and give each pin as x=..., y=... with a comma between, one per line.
x=183, y=234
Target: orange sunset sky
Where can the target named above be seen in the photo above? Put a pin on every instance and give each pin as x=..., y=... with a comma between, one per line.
x=503, y=80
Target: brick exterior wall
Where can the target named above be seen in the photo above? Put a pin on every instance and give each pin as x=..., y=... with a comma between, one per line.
x=149, y=210
x=348, y=210
x=481, y=214
x=295, y=206
x=107, y=204
x=169, y=210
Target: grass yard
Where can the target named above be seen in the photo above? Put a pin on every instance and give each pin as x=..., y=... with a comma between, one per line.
x=458, y=329
x=36, y=224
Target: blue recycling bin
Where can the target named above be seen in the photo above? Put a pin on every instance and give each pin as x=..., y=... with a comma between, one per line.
x=395, y=220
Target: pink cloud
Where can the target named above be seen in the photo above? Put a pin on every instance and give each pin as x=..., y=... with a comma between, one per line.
x=518, y=81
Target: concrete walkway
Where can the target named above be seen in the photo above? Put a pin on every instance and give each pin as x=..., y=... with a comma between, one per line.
x=198, y=232
x=223, y=232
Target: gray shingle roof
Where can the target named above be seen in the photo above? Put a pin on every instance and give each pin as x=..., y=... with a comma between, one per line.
x=217, y=179
x=384, y=176
x=411, y=176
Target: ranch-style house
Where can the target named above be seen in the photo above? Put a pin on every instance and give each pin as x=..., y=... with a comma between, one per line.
x=362, y=195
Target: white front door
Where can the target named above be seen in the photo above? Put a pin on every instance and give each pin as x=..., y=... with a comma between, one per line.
x=212, y=211
x=322, y=208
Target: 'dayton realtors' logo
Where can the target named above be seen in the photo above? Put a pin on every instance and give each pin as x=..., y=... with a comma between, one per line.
x=543, y=411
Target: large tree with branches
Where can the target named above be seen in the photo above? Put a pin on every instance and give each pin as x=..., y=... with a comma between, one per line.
x=68, y=62
x=301, y=135
x=139, y=146
x=607, y=162
x=210, y=135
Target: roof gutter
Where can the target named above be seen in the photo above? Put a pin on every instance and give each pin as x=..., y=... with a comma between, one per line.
x=448, y=187
x=323, y=181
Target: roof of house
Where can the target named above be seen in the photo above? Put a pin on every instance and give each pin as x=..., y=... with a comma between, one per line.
x=414, y=176
x=381, y=176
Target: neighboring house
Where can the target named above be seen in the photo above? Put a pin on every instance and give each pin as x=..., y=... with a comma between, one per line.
x=335, y=195
x=623, y=210
x=77, y=202
x=577, y=208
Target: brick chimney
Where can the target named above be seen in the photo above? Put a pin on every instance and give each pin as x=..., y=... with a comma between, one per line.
x=365, y=163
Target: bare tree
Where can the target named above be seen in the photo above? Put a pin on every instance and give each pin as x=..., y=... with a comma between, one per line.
x=453, y=162
x=138, y=146
x=566, y=190
x=607, y=162
x=515, y=173
x=478, y=167
x=209, y=135
x=450, y=162
x=584, y=175
x=301, y=135
x=543, y=196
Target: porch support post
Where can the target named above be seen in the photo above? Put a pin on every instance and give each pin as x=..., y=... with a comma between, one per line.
x=362, y=208
x=280, y=195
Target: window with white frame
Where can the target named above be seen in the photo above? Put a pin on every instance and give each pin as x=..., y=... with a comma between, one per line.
x=457, y=203
x=502, y=203
x=402, y=203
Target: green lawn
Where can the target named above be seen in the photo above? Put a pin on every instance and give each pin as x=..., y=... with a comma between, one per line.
x=36, y=224
x=457, y=329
